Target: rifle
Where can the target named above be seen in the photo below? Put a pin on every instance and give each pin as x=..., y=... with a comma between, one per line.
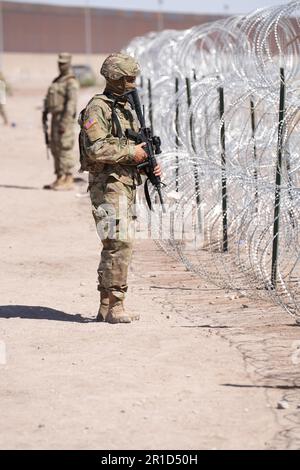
x=45, y=129
x=152, y=148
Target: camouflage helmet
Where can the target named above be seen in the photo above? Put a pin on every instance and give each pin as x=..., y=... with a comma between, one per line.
x=64, y=58
x=119, y=65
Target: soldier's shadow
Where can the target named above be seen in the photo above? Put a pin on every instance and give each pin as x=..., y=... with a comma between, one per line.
x=39, y=313
x=14, y=186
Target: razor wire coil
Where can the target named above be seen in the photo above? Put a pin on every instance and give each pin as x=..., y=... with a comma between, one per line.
x=237, y=168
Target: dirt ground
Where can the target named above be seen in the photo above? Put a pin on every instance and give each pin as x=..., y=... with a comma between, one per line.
x=200, y=370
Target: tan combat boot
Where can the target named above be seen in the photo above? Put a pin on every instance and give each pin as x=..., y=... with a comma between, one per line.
x=58, y=181
x=65, y=183
x=69, y=182
x=104, y=305
x=116, y=312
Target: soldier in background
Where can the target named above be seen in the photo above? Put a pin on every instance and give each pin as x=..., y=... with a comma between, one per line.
x=112, y=160
x=2, y=106
x=3, y=114
x=61, y=102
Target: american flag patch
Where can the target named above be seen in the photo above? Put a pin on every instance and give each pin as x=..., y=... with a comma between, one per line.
x=89, y=123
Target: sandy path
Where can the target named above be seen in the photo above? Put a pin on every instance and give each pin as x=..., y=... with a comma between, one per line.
x=192, y=373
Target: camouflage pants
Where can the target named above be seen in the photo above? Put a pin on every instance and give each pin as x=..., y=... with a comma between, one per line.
x=62, y=146
x=3, y=114
x=112, y=203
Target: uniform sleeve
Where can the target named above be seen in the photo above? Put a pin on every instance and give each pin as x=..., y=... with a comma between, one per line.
x=101, y=145
x=71, y=101
x=5, y=85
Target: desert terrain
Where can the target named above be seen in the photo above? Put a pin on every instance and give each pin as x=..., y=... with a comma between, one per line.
x=202, y=369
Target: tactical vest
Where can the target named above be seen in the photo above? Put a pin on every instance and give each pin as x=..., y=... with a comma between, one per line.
x=56, y=95
x=85, y=163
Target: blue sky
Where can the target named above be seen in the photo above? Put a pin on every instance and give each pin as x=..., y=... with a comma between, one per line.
x=192, y=6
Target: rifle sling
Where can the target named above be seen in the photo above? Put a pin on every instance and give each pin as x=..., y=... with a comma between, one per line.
x=147, y=195
x=114, y=116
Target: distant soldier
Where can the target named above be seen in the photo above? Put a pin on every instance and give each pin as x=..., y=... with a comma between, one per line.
x=4, y=89
x=3, y=114
x=112, y=159
x=60, y=102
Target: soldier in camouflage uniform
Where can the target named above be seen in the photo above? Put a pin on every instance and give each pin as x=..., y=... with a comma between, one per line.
x=2, y=106
x=112, y=160
x=3, y=114
x=60, y=102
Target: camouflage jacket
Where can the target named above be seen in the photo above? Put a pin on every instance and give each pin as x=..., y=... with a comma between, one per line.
x=62, y=98
x=109, y=154
x=5, y=85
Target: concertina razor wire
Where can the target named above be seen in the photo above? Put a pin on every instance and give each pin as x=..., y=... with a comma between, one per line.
x=225, y=99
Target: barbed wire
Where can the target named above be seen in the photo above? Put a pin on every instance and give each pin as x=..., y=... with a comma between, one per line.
x=224, y=97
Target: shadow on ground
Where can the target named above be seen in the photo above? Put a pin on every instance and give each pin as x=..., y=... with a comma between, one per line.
x=39, y=313
x=77, y=180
